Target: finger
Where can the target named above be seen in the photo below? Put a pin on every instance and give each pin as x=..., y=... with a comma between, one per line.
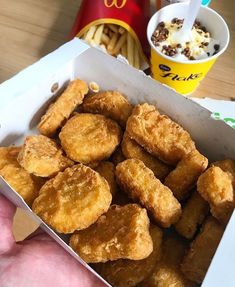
x=7, y=211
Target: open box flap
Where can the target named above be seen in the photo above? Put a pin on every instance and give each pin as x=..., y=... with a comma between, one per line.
x=39, y=71
x=21, y=112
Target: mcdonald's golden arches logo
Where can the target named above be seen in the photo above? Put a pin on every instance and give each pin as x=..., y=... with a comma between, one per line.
x=115, y=3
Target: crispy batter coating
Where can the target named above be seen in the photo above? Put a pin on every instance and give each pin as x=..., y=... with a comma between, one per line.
x=117, y=156
x=111, y=104
x=131, y=149
x=90, y=138
x=121, y=233
x=194, y=213
x=158, y=134
x=141, y=184
x=227, y=165
x=73, y=200
x=41, y=156
x=197, y=260
x=185, y=175
x=215, y=186
x=8, y=155
x=62, y=108
x=26, y=185
x=22, y=182
x=107, y=170
x=128, y=273
x=167, y=272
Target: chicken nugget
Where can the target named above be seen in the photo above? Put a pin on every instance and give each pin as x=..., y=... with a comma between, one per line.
x=167, y=272
x=63, y=107
x=227, y=165
x=73, y=200
x=131, y=149
x=107, y=170
x=193, y=214
x=111, y=104
x=117, y=156
x=128, y=273
x=21, y=181
x=197, y=260
x=41, y=156
x=185, y=175
x=89, y=138
x=141, y=184
x=121, y=233
x=215, y=186
x=8, y=155
x=158, y=134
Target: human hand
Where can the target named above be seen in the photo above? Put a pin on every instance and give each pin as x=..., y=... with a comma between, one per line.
x=38, y=260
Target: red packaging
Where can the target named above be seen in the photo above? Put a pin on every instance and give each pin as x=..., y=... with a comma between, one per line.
x=133, y=15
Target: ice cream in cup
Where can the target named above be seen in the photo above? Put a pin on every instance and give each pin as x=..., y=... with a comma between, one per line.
x=179, y=64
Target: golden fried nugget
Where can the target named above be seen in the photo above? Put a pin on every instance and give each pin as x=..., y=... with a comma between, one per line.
x=8, y=155
x=21, y=181
x=215, y=186
x=107, y=170
x=158, y=134
x=128, y=273
x=73, y=200
x=167, y=272
x=227, y=165
x=90, y=138
x=63, y=107
x=131, y=149
x=197, y=260
x=41, y=156
x=121, y=233
x=117, y=156
x=194, y=213
x=185, y=175
x=141, y=184
x=111, y=104
x=26, y=185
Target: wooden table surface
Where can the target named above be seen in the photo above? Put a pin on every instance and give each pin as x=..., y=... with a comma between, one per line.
x=30, y=29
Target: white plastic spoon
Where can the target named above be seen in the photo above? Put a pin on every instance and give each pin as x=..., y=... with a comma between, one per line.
x=183, y=35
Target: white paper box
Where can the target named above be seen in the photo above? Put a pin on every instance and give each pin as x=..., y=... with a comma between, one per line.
x=24, y=98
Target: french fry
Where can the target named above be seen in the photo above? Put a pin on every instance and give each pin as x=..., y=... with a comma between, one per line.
x=112, y=42
x=102, y=46
x=119, y=43
x=98, y=34
x=121, y=30
x=130, y=49
x=84, y=35
x=106, y=29
x=136, y=58
x=110, y=33
x=114, y=28
x=90, y=33
x=124, y=50
x=105, y=39
x=92, y=43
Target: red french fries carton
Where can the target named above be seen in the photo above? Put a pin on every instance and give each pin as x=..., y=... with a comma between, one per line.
x=133, y=15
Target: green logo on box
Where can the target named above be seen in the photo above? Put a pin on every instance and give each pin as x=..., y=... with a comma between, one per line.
x=229, y=121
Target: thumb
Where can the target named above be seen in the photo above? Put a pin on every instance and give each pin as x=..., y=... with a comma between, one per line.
x=7, y=211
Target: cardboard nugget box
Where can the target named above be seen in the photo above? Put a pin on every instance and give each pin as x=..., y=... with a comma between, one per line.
x=25, y=97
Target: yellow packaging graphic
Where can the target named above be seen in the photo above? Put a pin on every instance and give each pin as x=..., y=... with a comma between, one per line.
x=184, y=78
